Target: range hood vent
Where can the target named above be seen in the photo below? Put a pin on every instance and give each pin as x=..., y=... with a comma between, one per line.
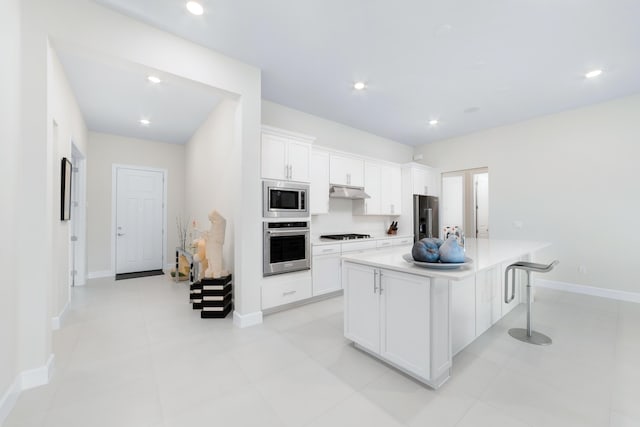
x=344, y=192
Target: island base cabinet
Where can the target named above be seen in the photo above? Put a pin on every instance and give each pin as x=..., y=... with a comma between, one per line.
x=405, y=325
x=361, y=306
x=400, y=318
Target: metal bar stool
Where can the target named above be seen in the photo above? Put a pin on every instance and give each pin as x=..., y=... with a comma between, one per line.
x=526, y=335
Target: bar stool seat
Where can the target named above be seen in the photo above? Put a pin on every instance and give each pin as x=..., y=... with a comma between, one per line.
x=526, y=335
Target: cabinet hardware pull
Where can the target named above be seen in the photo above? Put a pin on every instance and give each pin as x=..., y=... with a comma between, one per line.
x=375, y=284
x=380, y=283
x=286, y=294
x=327, y=250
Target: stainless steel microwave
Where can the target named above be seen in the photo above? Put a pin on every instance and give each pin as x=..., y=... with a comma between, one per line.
x=283, y=199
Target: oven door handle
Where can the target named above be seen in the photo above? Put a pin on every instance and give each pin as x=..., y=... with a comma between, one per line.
x=287, y=232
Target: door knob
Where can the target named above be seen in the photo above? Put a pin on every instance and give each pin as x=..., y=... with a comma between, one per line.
x=120, y=234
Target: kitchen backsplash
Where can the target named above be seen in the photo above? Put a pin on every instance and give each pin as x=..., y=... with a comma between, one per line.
x=340, y=219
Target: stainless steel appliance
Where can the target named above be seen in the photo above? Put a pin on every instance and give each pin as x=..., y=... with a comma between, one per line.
x=349, y=236
x=286, y=247
x=283, y=199
x=425, y=217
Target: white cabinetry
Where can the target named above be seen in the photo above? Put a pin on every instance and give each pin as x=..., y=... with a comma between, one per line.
x=325, y=269
x=463, y=313
x=390, y=190
x=383, y=183
x=285, y=288
x=421, y=179
x=362, y=306
x=488, y=303
x=405, y=323
x=392, y=315
x=319, y=202
x=346, y=170
x=285, y=155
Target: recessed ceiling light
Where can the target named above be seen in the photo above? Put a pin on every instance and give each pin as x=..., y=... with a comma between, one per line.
x=359, y=85
x=434, y=122
x=145, y=122
x=154, y=79
x=593, y=73
x=195, y=8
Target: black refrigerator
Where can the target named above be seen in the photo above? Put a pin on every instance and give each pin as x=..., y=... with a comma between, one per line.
x=425, y=217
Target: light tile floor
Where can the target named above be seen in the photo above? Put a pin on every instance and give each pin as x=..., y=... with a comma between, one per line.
x=133, y=353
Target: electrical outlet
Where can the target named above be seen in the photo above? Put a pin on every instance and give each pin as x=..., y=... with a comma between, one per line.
x=518, y=224
x=582, y=269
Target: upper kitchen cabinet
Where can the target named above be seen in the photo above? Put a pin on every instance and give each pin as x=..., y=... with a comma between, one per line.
x=421, y=179
x=346, y=170
x=390, y=190
x=319, y=199
x=383, y=183
x=286, y=156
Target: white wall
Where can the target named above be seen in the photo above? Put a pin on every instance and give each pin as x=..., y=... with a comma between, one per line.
x=9, y=159
x=208, y=172
x=105, y=150
x=337, y=136
x=571, y=178
x=69, y=127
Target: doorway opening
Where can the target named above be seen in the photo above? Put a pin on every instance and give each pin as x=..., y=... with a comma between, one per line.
x=465, y=201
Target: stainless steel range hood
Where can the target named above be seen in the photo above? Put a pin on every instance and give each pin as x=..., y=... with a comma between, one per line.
x=344, y=192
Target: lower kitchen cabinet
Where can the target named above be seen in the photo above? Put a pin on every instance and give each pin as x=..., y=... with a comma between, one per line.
x=325, y=273
x=283, y=289
x=488, y=303
x=392, y=315
x=463, y=313
x=405, y=324
x=362, y=306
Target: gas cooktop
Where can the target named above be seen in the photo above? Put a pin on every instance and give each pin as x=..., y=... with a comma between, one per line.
x=350, y=236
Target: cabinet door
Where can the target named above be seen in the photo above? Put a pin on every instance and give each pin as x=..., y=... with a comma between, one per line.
x=405, y=323
x=463, y=315
x=361, y=309
x=298, y=157
x=488, y=307
x=274, y=154
x=319, y=183
x=372, y=188
x=325, y=272
x=420, y=181
x=390, y=190
x=347, y=171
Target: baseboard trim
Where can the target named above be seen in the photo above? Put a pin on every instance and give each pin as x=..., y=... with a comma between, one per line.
x=246, y=320
x=99, y=274
x=25, y=380
x=9, y=399
x=56, y=321
x=588, y=290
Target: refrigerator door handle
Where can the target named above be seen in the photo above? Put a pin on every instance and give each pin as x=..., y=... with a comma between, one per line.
x=430, y=222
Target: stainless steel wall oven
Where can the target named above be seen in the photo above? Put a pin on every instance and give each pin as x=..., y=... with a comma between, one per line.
x=286, y=247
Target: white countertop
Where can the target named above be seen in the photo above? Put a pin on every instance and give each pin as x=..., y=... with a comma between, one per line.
x=317, y=241
x=485, y=253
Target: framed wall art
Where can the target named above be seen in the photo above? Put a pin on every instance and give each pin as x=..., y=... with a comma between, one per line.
x=65, y=190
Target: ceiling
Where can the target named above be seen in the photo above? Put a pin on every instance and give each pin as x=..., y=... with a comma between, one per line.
x=113, y=96
x=470, y=64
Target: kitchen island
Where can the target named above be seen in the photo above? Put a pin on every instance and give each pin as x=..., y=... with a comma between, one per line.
x=416, y=318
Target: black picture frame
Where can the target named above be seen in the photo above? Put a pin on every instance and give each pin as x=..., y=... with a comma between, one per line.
x=65, y=189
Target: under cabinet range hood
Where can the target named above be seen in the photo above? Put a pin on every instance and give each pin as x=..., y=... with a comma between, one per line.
x=344, y=192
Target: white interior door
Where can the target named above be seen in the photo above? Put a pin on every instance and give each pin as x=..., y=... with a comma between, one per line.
x=139, y=220
x=481, y=187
